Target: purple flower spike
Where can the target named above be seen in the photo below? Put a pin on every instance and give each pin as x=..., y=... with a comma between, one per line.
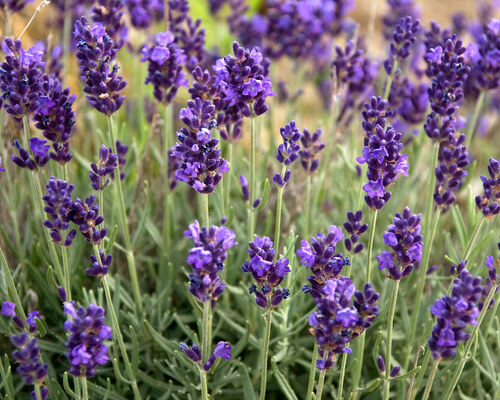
x=243, y=82
x=27, y=355
x=110, y=13
x=396, y=10
x=406, y=242
x=96, y=54
x=14, y=5
x=488, y=204
x=105, y=167
x=288, y=150
x=58, y=203
x=336, y=322
x=193, y=353
x=99, y=267
x=39, y=154
x=86, y=216
x=321, y=257
x=55, y=117
x=87, y=332
x=403, y=38
x=206, y=259
x=354, y=228
x=200, y=164
x=20, y=78
x=454, y=313
x=311, y=146
x=485, y=56
x=165, y=63
x=382, y=155
x=268, y=274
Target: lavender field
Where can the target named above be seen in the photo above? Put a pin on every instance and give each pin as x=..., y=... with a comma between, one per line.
x=249, y=199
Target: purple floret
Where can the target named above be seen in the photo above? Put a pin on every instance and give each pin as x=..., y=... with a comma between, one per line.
x=488, y=204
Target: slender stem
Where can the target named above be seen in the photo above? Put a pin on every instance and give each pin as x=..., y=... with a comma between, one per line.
x=279, y=206
x=11, y=285
x=465, y=355
x=265, y=355
x=430, y=219
x=430, y=380
x=67, y=284
x=342, y=373
x=308, y=206
x=230, y=162
x=85, y=391
x=390, y=78
x=359, y=364
x=312, y=372
x=321, y=383
x=204, y=385
x=373, y=17
x=392, y=310
x=370, y=245
x=123, y=217
x=206, y=328
x=253, y=182
x=473, y=238
x=168, y=122
x=421, y=374
x=472, y=126
x=118, y=334
x=205, y=219
x=38, y=393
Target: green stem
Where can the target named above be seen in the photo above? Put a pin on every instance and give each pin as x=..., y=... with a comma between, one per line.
x=168, y=122
x=11, y=285
x=359, y=364
x=370, y=245
x=473, y=238
x=465, y=355
x=472, y=126
x=67, y=284
x=430, y=381
x=321, y=384
x=312, y=372
x=253, y=182
x=308, y=206
x=231, y=172
x=421, y=374
x=38, y=393
x=123, y=220
x=85, y=391
x=118, y=335
x=204, y=385
x=206, y=330
x=265, y=355
x=390, y=78
x=279, y=206
x=390, y=321
x=205, y=219
x=342, y=373
x=431, y=219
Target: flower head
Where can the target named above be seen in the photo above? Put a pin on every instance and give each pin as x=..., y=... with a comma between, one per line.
x=87, y=332
x=489, y=202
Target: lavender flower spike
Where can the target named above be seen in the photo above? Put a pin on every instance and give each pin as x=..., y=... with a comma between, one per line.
x=336, y=322
x=99, y=267
x=287, y=152
x=105, y=167
x=311, y=146
x=406, y=242
x=488, y=204
x=39, y=154
x=243, y=82
x=268, y=274
x=96, y=54
x=87, y=332
x=207, y=258
x=58, y=203
x=200, y=163
x=165, y=63
x=86, y=216
x=403, y=38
